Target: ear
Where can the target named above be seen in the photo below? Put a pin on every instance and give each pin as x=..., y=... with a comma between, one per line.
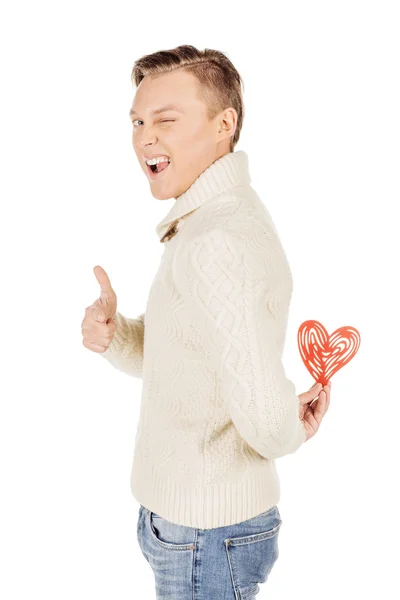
x=228, y=121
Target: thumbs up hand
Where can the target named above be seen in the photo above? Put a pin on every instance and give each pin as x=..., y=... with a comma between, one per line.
x=98, y=326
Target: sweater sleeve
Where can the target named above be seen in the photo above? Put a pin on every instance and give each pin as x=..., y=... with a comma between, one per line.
x=126, y=349
x=240, y=302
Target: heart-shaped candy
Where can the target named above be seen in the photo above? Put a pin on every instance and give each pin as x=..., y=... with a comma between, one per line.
x=325, y=354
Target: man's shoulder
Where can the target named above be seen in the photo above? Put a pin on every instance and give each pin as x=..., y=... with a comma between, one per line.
x=236, y=226
x=239, y=220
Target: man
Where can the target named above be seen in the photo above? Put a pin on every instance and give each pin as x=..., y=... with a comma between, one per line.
x=217, y=408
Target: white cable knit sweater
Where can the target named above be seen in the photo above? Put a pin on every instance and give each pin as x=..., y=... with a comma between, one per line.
x=217, y=408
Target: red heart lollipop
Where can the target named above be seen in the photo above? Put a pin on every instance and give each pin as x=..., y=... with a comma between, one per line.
x=325, y=354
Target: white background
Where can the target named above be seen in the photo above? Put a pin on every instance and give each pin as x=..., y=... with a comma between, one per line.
x=322, y=134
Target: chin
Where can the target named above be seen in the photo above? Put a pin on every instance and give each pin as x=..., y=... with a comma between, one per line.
x=160, y=195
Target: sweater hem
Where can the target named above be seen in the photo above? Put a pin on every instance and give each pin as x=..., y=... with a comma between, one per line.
x=207, y=506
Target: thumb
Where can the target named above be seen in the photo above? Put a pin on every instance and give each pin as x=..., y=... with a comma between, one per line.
x=104, y=281
x=312, y=393
x=316, y=385
x=315, y=389
x=107, y=295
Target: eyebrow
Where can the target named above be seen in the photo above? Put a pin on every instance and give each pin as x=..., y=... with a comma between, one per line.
x=159, y=110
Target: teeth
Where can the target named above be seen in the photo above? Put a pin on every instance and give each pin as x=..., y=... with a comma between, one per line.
x=154, y=161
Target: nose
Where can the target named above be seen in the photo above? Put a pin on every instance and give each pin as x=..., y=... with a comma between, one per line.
x=146, y=137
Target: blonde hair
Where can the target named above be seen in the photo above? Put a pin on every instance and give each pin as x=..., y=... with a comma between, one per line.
x=220, y=84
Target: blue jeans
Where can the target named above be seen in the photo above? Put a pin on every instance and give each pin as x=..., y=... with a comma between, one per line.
x=224, y=563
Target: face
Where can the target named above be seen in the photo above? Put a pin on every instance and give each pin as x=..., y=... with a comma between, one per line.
x=182, y=132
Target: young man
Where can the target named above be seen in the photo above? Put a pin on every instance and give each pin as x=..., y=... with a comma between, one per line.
x=217, y=408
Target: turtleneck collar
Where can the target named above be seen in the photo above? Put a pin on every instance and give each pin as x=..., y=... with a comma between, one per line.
x=226, y=172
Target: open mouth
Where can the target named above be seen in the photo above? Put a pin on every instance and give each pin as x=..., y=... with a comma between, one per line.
x=154, y=170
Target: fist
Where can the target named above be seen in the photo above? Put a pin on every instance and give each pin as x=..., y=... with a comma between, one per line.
x=98, y=325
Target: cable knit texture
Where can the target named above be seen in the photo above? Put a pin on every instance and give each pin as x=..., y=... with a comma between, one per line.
x=217, y=408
